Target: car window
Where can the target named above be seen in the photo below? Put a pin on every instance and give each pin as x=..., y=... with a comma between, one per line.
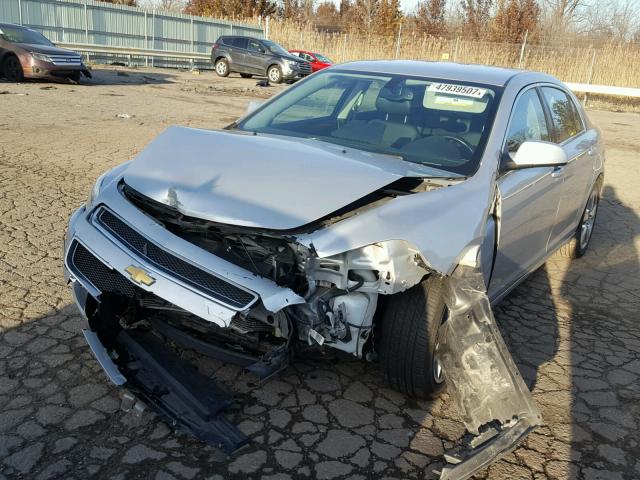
x=527, y=121
x=564, y=114
x=239, y=42
x=308, y=57
x=425, y=121
x=320, y=103
x=255, y=46
x=15, y=34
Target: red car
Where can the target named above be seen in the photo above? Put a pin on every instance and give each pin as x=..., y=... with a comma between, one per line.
x=317, y=60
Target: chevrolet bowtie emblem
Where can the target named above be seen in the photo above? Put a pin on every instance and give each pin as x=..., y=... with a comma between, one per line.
x=139, y=276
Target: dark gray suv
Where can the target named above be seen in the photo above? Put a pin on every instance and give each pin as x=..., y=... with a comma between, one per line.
x=250, y=56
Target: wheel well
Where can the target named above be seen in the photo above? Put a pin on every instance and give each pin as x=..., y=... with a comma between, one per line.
x=600, y=183
x=7, y=55
x=221, y=57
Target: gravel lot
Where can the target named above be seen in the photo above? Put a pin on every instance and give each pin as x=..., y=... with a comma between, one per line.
x=574, y=328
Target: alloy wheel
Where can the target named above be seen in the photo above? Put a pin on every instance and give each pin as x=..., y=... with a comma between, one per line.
x=588, y=220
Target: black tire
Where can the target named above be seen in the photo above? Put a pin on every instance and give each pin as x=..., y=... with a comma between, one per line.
x=274, y=74
x=579, y=243
x=222, y=67
x=246, y=75
x=12, y=70
x=410, y=323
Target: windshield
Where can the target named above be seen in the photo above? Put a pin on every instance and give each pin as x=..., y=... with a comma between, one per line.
x=438, y=123
x=23, y=35
x=275, y=48
x=322, y=58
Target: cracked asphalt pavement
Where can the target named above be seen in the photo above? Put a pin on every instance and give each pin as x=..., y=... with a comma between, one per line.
x=572, y=327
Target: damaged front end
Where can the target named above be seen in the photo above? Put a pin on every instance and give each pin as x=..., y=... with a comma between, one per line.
x=147, y=304
x=154, y=282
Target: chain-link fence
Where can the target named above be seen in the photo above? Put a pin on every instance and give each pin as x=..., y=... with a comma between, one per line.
x=614, y=64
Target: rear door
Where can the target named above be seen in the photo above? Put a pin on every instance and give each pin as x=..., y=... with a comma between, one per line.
x=571, y=134
x=256, y=56
x=529, y=198
x=238, y=54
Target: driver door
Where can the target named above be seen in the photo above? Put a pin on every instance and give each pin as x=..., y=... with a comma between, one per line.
x=529, y=199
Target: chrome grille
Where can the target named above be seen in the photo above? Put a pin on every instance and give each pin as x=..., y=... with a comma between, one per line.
x=66, y=60
x=87, y=267
x=305, y=68
x=201, y=280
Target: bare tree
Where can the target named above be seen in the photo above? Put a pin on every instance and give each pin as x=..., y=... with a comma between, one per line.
x=476, y=15
x=131, y=3
x=363, y=14
x=514, y=19
x=617, y=21
x=164, y=5
x=561, y=14
x=429, y=17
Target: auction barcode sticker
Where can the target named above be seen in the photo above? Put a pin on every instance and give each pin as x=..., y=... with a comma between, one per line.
x=462, y=90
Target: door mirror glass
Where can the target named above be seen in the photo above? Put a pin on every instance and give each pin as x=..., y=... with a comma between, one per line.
x=533, y=154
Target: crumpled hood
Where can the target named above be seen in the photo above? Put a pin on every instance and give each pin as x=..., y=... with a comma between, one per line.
x=257, y=180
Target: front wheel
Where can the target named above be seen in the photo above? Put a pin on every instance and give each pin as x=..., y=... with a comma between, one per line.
x=222, y=67
x=410, y=326
x=577, y=246
x=12, y=70
x=274, y=74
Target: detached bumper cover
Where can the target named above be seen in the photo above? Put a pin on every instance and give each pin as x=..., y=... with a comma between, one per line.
x=483, y=379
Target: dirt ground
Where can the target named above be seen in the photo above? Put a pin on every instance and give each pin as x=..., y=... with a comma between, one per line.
x=573, y=327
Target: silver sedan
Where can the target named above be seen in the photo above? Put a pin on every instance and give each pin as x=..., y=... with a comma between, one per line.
x=377, y=208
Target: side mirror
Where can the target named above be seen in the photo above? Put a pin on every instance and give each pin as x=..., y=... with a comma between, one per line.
x=533, y=154
x=253, y=105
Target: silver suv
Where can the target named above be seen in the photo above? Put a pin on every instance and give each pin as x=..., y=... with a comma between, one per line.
x=250, y=56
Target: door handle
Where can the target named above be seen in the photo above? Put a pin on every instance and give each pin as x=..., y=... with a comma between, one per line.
x=557, y=172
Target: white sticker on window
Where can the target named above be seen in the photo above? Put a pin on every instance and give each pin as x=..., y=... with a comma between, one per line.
x=462, y=90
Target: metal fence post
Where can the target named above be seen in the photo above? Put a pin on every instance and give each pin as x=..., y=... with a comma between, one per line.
x=86, y=23
x=266, y=28
x=146, y=39
x=20, y=11
x=455, y=50
x=192, y=34
x=524, y=45
x=153, y=34
x=590, y=79
x=398, y=40
x=344, y=47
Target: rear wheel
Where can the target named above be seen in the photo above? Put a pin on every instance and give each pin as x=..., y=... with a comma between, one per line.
x=246, y=75
x=222, y=67
x=410, y=325
x=12, y=70
x=577, y=246
x=274, y=74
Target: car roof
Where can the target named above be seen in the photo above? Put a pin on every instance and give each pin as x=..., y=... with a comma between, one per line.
x=14, y=25
x=241, y=36
x=497, y=76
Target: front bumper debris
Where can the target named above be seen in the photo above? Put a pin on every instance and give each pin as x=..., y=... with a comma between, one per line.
x=497, y=407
